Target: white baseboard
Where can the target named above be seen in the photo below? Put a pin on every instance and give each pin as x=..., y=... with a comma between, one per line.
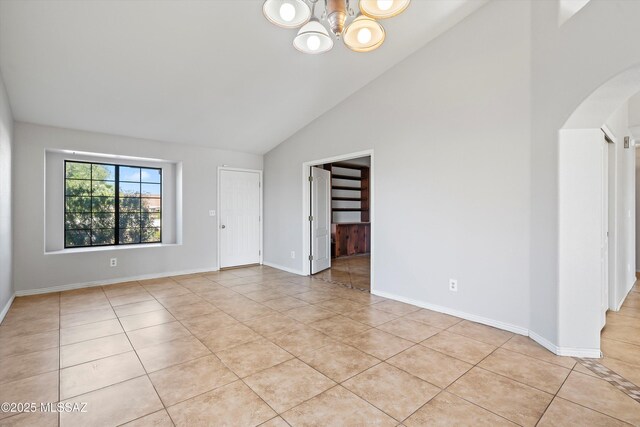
x=6, y=307
x=591, y=353
x=468, y=316
x=626, y=294
x=61, y=288
x=560, y=351
x=25, y=292
x=281, y=267
x=544, y=342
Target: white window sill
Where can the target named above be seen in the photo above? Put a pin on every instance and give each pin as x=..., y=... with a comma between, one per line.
x=110, y=248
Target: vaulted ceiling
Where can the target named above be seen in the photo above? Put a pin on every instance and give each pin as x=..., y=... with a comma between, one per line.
x=212, y=73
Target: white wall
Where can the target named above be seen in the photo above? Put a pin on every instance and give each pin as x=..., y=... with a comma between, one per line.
x=634, y=112
x=6, y=225
x=582, y=153
x=34, y=269
x=451, y=120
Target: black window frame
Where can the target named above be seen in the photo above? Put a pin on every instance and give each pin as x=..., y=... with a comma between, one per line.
x=116, y=212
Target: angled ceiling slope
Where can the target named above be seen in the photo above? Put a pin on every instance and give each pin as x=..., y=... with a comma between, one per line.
x=211, y=73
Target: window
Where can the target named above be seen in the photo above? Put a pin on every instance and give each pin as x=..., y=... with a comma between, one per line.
x=108, y=204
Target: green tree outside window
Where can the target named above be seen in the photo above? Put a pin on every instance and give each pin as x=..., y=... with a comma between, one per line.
x=108, y=204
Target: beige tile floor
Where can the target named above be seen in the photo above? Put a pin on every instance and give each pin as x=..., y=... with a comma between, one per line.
x=351, y=271
x=258, y=346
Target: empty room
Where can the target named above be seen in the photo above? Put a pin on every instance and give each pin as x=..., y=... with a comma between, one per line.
x=319, y=213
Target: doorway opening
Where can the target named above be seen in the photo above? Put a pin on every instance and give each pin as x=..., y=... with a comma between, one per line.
x=597, y=200
x=338, y=220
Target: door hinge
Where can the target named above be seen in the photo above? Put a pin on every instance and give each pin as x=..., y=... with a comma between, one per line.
x=310, y=179
x=310, y=217
x=259, y=252
x=310, y=257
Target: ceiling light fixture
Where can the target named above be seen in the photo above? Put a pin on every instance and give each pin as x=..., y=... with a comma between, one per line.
x=363, y=34
x=382, y=9
x=287, y=13
x=313, y=38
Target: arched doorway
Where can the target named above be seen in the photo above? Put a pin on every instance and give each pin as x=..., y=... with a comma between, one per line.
x=596, y=213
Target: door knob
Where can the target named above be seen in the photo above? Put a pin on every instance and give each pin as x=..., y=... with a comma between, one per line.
x=224, y=226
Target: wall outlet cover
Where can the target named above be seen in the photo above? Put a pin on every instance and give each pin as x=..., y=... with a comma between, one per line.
x=453, y=285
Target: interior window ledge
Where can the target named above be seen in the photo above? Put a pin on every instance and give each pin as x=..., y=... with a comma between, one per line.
x=110, y=248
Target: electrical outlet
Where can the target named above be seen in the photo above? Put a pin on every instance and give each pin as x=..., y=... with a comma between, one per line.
x=212, y=213
x=453, y=285
x=113, y=262
x=293, y=254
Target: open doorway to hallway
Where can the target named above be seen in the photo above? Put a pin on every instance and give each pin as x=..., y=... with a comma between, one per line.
x=596, y=221
x=339, y=224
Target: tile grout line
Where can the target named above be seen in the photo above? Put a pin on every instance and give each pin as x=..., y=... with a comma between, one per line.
x=166, y=409
x=465, y=399
x=146, y=373
x=589, y=408
x=553, y=398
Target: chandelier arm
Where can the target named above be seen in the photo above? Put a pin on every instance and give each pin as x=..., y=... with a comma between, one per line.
x=313, y=7
x=349, y=10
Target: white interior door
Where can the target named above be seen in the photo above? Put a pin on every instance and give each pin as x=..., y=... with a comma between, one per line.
x=321, y=220
x=240, y=231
